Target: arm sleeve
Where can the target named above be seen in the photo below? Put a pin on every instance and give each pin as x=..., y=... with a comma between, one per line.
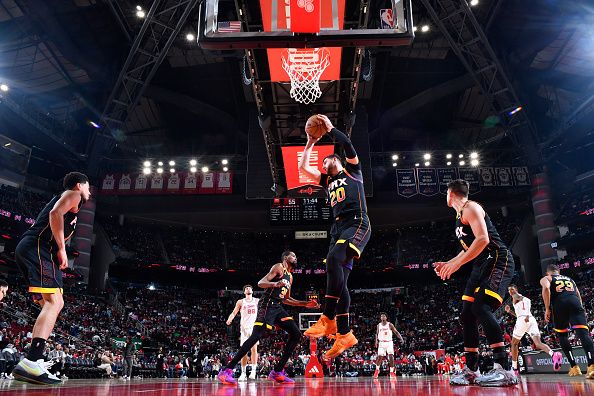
x=345, y=142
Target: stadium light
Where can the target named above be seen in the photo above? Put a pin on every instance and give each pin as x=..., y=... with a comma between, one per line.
x=427, y=156
x=193, y=169
x=394, y=157
x=172, y=170
x=146, y=164
x=205, y=169
x=414, y=28
x=449, y=163
x=93, y=124
x=474, y=3
x=160, y=163
x=474, y=155
x=514, y=111
x=138, y=8
x=159, y=170
x=193, y=162
x=461, y=156
x=417, y=164
x=190, y=37
x=394, y=164
x=225, y=161
x=225, y=169
x=140, y=14
x=425, y=28
x=474, y=162
x=3, y=87
x=7, y=144
x=151, y=287
x=146, y=171
x=427, y=163
x=171, y=163
x=462, y=163
x=448, y=156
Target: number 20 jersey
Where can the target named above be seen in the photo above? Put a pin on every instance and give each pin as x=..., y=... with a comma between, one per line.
x=346, y=191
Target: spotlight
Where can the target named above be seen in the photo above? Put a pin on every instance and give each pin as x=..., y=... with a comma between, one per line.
x=140, y=14
x=474, y=2
x=394, y=164
x=146, y=171
x=474, y=155
x=146, y=164
x=8, y=144
x=151, y=287
x=93, y=124
x=160, y=163
x=193, y=162
x=190, y=37
x=414, y=28
x=474, y=162
x=3, y=87
x=172, y=170
x=514, y=111
x=138, y=8
x=193, y=169
x=449, y=163
x=225, y=161
x=461, y=156
x=171, y=163
x=205, y=169
x=448, y=156
x=159, y=170
x=417, y=164
x=394, y=157
x=425, y=28
x=462, y=163
x=427, y=156
x=427, y=163
x=225, y=169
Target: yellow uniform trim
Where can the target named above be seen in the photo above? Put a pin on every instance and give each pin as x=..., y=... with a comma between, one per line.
x=494, y=295
x=580, y=327
x=561, y=331
x=287, y=318
x=340, y=241
x=46, y=290
x=477, y=289
x=355, y=249
x=467, y=298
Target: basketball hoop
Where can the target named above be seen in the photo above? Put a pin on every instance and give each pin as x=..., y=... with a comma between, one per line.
x=305, y=67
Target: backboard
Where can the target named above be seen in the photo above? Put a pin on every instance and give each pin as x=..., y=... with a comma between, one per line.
x=307, y=319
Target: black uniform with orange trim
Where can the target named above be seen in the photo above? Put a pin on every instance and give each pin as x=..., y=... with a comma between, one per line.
x=347, y=198
x=493, y=269
x=36, y=252
x=566, y=305
x=270, y=308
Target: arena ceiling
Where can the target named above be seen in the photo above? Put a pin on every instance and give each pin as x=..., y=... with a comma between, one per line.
x=61, y=59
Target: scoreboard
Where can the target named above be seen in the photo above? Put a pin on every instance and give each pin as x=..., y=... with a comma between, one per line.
x=300, y=211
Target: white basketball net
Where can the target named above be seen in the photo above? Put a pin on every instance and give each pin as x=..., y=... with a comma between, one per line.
x=305, y=67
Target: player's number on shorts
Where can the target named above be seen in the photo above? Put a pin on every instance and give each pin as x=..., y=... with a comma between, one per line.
x=563, y=286
x=337, y=195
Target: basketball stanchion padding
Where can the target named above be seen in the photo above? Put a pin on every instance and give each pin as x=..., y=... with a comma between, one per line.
x=313, y=368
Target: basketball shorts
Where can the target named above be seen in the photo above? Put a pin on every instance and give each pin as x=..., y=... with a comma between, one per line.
x=568, y=313
x=40, y=266
x=244, y=333
x=522, y=327
x=490, y=277
x=385, y=348
x=354, y=230
x=271, y=313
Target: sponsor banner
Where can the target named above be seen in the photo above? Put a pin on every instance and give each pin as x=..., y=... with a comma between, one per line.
x=504, y=178
x=406, y=180
x=428, y=182
x=311, y=234
x=471, y=175
x=297, y=182
x=175, y=184
x=487, y=177
x=542, y=363
x=521, y=176
x=445, y=176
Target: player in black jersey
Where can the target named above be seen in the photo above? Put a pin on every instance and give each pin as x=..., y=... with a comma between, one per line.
x=492, y=272
x=562, y=298
x=349, y=235
x=41, y=256
x=271, y=313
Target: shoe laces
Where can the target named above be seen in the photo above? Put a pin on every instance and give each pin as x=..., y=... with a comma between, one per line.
x=46, y=365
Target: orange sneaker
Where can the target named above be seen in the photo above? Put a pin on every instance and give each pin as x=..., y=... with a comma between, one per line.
x=322, y=327
x=342, y=343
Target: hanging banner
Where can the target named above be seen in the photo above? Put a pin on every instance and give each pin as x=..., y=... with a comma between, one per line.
x=108, y=185
x=140, y=183
x=173, y=183
x=504, y=178
x=125, y=183
x=521, y=176
x=487, y=177
x=406, y=181
x=224, y=183
x=157, y=183
x=190, y=184
x=445, y=176
x=176, y=183
x=471, y=175
x=207, y=183
x=428, y=182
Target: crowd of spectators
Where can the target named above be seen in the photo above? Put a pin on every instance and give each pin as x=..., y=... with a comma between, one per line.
x=576, y=203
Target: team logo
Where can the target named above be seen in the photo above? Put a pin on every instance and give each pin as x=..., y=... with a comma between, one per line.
x=314, y=370
x=306, y=4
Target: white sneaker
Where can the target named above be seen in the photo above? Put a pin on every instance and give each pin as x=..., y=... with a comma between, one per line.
x=35, y=372
x=242, y=377
x=64, y=377
x=253, y=375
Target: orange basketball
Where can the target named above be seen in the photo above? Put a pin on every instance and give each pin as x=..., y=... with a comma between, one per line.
x=315, y=127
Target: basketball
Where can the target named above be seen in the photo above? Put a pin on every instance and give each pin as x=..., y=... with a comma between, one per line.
x=315, y=127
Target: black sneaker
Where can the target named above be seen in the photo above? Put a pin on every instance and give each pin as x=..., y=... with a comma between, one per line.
x=498, y=377
x=464, y=377
x=35, y=372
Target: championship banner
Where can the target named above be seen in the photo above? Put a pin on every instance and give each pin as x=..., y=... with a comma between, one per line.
x=297, y=182
x=487, y=177
x=471, y=175
x=428, y=182
x=175, y=184
x=406, y=181
x=521, y=176
x=504, y=178
x=445, y=176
